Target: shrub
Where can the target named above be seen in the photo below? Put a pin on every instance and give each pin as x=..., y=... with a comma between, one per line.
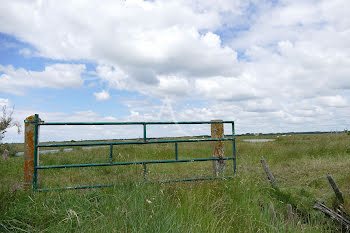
x=6, y=122
x=12, y=149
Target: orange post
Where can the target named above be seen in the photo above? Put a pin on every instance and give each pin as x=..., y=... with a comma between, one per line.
x=29, y=152
x=217, y=131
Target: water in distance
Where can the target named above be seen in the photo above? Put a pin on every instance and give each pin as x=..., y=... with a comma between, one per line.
x=259, y=140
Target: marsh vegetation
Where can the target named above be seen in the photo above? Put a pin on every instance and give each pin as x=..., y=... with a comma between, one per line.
x=240, y=204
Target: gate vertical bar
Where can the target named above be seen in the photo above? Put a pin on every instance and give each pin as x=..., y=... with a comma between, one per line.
x=110, y=154
x=176, y=158
x=36, y=157
x=144, y=133
x=234, y=148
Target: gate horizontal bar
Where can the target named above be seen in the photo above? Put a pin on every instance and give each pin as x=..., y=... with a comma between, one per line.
x=110, y=185
x=193, y=179
x=131, y=163
x=133, y=142
x=75, y=187
x=133, y=123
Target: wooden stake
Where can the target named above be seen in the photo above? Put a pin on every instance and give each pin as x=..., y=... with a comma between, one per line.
x=290, y=213
x=272, y=211
x=335, y=188
x=5, y=155
x=345, y=223
x=268, y=172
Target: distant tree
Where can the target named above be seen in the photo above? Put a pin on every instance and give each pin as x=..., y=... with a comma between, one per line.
x=6, y=122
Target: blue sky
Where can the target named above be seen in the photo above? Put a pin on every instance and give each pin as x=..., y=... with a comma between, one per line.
x=272, y=66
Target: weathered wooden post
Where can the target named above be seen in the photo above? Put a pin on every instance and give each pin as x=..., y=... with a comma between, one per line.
x=269, y=175
x=5, y=155
x=31, y=153
x=338, y=193
x=217, y=131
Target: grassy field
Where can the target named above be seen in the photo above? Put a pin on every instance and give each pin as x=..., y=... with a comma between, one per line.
x=240, y=204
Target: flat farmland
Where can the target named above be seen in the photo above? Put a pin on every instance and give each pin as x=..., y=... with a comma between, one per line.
x=239, y=204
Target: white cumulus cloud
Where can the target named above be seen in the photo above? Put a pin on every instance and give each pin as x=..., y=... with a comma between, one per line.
x=4, y=102
x=273, y=65
x=101, y=96
x=15, y=81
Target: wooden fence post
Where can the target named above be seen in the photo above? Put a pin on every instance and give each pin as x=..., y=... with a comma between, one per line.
x=29, y=145
x=268, y=172
x=338, y=193
x=217, y=131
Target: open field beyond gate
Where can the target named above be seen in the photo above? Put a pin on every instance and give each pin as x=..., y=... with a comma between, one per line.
x=241, y=204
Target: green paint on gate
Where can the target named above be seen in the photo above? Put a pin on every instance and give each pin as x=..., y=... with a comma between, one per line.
x=111, y=144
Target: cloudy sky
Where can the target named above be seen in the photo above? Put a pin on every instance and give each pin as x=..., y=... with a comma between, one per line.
x=272, y=66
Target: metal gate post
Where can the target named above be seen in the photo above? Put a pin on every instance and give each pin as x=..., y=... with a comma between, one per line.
x=217, y=131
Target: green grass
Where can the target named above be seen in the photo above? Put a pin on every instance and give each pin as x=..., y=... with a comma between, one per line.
x=241, y=204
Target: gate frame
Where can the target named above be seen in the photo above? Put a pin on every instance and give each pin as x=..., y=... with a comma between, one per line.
x=35, y=139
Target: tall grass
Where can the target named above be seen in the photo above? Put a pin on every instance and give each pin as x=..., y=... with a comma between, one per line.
x=241, y=204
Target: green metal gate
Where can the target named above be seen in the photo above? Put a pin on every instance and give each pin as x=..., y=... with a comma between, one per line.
x=145, y=140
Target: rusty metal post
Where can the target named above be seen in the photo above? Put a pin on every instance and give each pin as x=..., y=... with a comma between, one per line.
x=31, y=154
x=217, y=131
